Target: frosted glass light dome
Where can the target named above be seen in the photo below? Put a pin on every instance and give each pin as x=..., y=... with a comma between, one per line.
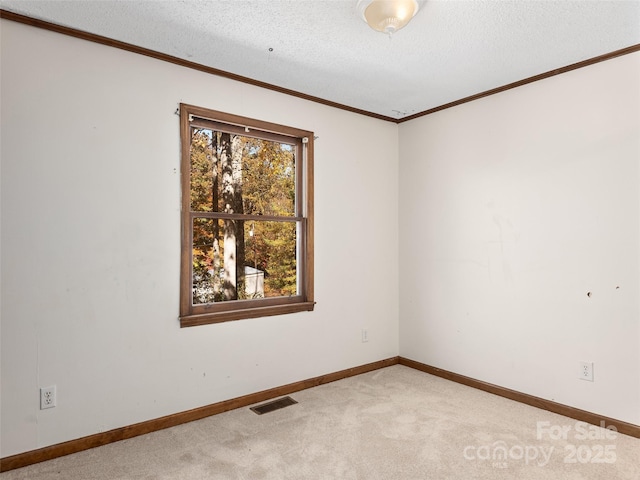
x=387, y=16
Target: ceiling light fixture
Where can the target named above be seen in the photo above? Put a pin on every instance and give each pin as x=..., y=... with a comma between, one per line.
x=387, y=16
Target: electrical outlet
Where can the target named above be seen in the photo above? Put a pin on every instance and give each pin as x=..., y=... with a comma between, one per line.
x=586, y=371
x=47, y=397
x=365, y=335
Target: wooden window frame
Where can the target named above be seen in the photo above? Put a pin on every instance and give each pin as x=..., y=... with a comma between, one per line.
x=203, y=314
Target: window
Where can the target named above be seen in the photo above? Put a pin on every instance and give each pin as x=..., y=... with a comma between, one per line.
x=247, y=218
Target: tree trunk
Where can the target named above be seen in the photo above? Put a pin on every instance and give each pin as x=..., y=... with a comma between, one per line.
x=215, y=200
x=237, y=147
x=228, y=199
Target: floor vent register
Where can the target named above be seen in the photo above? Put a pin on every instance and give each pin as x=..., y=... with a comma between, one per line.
x=273, y=405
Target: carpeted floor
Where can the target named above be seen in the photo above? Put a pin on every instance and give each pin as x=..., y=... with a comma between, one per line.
x=394, y=423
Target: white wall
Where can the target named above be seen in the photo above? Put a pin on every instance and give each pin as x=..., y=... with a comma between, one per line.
x=512, y=208
x=91, y=240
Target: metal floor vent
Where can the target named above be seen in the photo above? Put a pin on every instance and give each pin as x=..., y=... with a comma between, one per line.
x=274, y=405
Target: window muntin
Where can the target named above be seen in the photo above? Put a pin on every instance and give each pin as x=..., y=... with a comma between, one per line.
x=247, y=218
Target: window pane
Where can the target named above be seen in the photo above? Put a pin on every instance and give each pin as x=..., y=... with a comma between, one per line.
x=238, y=260
x=268, y=177
x=238, y=174
x=270, y=259
x=207, y=261
x=203, y=174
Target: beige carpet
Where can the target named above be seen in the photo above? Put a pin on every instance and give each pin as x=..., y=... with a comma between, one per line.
x=394, y=423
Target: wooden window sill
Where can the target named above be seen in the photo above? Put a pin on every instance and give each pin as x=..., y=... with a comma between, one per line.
x=245, y=313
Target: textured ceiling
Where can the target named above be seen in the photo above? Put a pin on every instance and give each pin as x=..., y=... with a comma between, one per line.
x=451, y=49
